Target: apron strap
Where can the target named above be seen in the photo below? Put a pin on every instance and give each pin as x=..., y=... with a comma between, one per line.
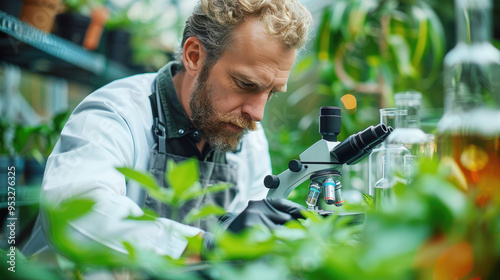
x=158, y=118
x=158, y=153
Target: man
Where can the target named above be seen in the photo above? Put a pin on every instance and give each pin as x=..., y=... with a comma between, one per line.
x=234, y=56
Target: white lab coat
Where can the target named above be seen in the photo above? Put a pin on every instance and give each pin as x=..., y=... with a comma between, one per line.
x=112, y=128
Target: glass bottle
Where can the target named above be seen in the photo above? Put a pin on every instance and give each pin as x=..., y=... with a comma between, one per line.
x=468, y=132
x=382, y=192
x=401, y=166
x=375, y=159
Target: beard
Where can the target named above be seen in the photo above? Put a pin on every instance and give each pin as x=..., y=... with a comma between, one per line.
x=211, y=122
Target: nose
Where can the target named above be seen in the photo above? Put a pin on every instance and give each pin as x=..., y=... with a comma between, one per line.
x=254, y=106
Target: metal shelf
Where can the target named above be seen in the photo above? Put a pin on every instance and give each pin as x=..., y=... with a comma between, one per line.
x=31, y=48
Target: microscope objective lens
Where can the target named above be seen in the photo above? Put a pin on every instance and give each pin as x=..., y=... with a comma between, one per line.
x=329, y=191
x=312, y=196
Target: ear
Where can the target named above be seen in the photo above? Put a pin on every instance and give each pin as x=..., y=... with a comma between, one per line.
x=193, y=56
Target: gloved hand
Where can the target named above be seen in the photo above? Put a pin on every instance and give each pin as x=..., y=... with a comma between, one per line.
x=271, y=212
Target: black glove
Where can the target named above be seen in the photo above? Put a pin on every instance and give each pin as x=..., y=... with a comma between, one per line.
x=271, y=212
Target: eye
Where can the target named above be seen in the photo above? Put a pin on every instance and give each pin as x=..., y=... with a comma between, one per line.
x=245, y=85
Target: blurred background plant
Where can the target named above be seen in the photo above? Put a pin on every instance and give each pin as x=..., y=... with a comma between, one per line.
x=138, y=26
x=82, y=6
x=363, y=51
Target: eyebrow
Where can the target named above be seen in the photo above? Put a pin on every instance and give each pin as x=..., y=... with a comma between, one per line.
x=259, y=86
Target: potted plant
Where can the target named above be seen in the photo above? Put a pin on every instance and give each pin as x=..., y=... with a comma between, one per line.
x=74, y=22
x=133, y=41
x=40, y=13
x=117, y=40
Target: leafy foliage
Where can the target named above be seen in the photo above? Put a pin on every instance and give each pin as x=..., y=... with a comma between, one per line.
x=145, y=42
x=37, y=141
x=82, y=6
x=433, y=230
x=184, y=186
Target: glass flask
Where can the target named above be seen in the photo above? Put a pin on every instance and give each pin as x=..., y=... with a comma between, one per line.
x=375, y=159
x=401, y=166
x=468, y=132
x=382, y=190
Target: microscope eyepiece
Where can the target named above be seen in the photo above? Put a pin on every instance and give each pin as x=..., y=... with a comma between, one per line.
x=356, y=146
x=329, y=122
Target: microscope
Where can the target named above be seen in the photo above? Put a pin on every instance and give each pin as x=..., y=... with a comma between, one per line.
x=322, y=162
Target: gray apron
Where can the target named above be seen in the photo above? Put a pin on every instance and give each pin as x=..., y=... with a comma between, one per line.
x=211, y=173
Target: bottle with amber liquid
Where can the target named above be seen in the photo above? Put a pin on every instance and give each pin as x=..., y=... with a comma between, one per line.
x=468, y=133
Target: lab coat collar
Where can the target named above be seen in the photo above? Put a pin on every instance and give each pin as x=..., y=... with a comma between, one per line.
x=177, y=122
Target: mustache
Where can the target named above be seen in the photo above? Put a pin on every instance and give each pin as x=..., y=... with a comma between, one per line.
x=239, y=121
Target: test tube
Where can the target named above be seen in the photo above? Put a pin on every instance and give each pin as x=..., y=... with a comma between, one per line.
x=312, y=196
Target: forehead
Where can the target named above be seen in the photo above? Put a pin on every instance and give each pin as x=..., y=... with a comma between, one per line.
x=255, y=53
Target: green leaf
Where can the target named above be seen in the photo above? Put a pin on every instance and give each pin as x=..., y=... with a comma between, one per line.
x=59, y=120
x=182, y=176
x=144, y=217
x=357, y=17
x=150, y=212
x=197, y=191
x=423, y=30
x=368, y=200
x=311, y=216
x=70, y=210
x=338, y=17
x=323, y=42
x=146, y=181
x=250, y=244
x=436, y=32
x=130, y=249
x=208, y=210
x=401, y=52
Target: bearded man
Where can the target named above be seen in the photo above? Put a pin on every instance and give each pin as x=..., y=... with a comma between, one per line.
x=208, y=104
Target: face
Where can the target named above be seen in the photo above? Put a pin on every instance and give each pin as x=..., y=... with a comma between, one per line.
x=229, y=97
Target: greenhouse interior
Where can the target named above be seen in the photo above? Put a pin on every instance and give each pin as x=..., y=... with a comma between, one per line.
x=250, y=139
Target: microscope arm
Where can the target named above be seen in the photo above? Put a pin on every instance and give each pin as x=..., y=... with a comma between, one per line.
x=325, y=156
x=290, y=180
x=315, y=159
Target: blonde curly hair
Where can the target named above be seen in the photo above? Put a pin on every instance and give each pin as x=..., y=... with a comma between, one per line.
x=212, y=23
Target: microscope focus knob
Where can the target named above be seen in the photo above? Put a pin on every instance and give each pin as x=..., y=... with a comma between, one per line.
x=295, y=165
x=271, y=181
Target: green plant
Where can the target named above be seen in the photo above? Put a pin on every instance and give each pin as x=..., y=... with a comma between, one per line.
x=36, y=141
x=15, y=137
x=369, y=49
x=380, y=48
x=183, y=179
x=45, y=136
x=5, y=137
x=433, y=231
x=82, y=6
x=184, y=186
x=145, y=34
